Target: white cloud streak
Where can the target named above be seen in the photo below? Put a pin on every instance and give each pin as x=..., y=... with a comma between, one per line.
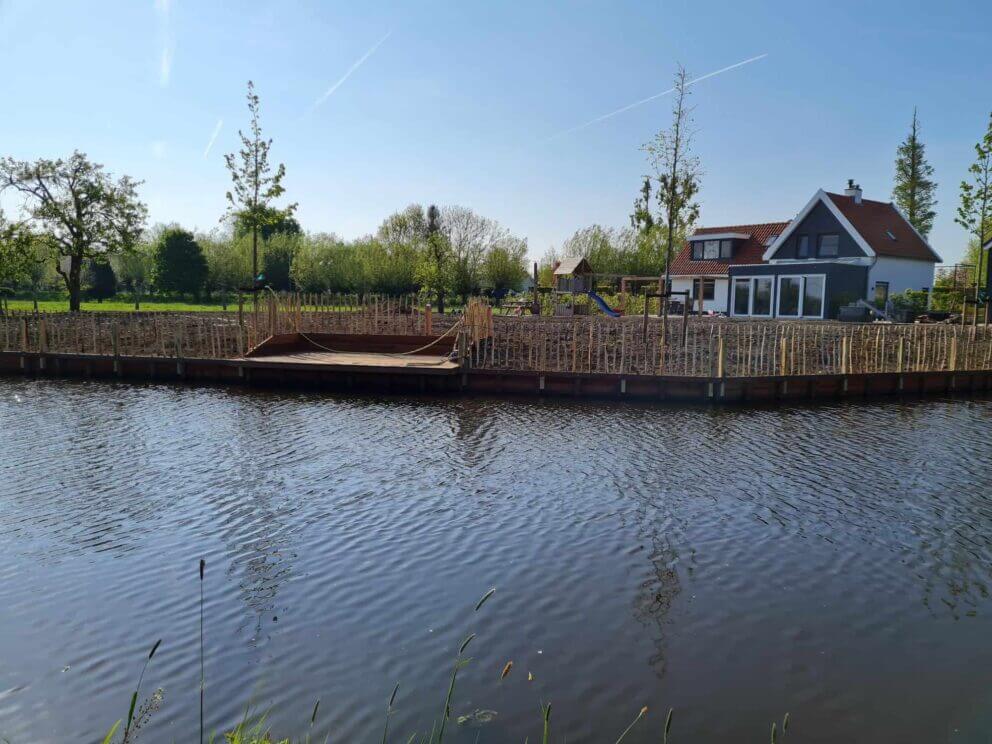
x=641, y=102
x=361, y=60
x=163, y=8
x=213, y=138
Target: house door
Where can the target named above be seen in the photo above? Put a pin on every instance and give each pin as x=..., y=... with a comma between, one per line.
x=881, y=294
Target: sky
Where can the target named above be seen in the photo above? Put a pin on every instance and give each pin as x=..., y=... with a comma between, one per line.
x=503, y=107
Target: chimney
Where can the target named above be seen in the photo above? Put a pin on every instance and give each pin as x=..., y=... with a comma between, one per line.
x=853, y=190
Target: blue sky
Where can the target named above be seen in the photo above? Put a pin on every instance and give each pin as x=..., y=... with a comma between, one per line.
x=460, y=102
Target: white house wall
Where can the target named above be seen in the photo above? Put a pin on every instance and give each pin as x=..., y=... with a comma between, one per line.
x=719, y=302
x=901, y=274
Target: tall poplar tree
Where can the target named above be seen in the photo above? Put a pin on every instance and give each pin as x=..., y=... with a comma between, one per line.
x=255, y=186
x=914, y=190
x=975, y=212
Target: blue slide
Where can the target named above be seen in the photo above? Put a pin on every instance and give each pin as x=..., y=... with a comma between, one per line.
x=603, y=306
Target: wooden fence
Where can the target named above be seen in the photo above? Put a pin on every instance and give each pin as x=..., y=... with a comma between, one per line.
x=730, y=348
x=591, y=344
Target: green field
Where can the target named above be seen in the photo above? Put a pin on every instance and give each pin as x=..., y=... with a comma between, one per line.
x=121, y=306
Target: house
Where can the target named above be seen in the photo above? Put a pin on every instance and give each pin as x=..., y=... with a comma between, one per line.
x=840, y=248
x=702, y=267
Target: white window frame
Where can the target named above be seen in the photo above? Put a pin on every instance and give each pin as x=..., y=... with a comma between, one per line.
x=752, y=283
x=802, y=296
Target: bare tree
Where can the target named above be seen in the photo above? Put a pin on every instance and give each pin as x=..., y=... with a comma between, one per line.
x=677, y=172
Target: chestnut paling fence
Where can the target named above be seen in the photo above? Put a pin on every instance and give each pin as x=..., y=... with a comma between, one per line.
x=704, y=347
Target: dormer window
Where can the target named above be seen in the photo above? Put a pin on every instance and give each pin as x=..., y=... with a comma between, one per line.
x=711, y=249
x=802, y=246
x=726, y=249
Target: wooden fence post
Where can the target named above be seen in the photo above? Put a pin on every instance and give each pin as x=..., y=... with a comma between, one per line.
x=844, y=354
x=720, y=357
x=901, y=350
x=24, y=334
x=783, y=347
x=428, y=320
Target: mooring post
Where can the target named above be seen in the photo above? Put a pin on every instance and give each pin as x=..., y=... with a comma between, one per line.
x=428, y=320
x=782, y=356
x=42, y=341
x=115, y=342
x=720, y=357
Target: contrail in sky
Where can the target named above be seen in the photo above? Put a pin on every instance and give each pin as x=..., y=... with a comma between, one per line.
x=628, y=107
x=330, y=91
x=213, y=138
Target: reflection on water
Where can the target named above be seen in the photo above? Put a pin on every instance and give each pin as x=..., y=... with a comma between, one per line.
x=832, y=561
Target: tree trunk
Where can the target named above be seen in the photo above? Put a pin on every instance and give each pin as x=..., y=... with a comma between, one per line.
x=440, y=302
x=72, y=282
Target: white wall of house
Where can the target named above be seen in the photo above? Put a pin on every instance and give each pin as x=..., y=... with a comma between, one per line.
x=719, y=302
x=900, y=273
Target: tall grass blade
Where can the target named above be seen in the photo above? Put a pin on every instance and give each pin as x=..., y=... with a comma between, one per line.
x=643, y=712
x=137, y=689
x=774, y=733
x=465, y=643
x=785, y=723
x=668, y=723
x=203, y=565
x=389, y=710
x=547, y=724
x=110, y=734
x=485, y=597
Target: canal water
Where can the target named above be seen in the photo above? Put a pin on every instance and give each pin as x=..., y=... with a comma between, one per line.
x=833, y=562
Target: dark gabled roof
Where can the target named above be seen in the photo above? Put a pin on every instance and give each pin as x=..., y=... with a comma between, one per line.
x=748, y=252
x=875, y=221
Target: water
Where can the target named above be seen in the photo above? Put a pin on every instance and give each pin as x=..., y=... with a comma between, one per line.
x=831, y=561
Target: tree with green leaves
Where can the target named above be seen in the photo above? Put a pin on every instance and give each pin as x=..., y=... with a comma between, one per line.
x=915, y=190
x=276, y=222
x=134, y=270
x=433, y=273
x=677, y=172
x=76, y=210
x=505, y=266
x=101, y=282
x=255, y=186
x=179, y=264
x=975, y=210
x=15, y=254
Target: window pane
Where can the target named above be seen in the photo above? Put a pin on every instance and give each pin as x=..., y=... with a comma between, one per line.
x=726, y=249
x=813, y=297
x=711, y=249
x=742, y=296
x=828, y=245
x=881, y=294
x=709, y=288
x=763, y=296
x=788, y=295
x=803, y=246
x=697, y=251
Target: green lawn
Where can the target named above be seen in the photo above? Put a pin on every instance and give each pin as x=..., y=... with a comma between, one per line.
x=121, y=306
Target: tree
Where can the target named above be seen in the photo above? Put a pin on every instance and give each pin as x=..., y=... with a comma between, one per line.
x=134, y=270
x=76, y=210
x=277, y=222
x=677, y=172
x=914, y=190
x=228, y=263
x=180, y=265
x=278, y=253
x=255, y=186
x=505, y=266
x=15, y=254
x=433, y=272
x=101, y=282
x=470, y=236
x=975, y=211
